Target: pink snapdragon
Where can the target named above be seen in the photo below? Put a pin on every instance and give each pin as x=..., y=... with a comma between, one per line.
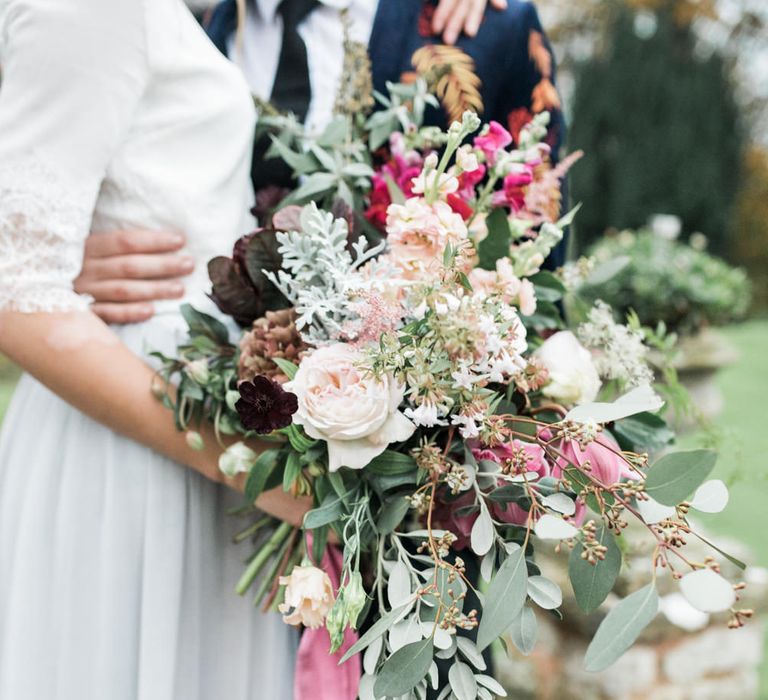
x=492, y=141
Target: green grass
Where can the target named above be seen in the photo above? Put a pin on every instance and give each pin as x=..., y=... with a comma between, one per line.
x=8, y=376
x=743, y=462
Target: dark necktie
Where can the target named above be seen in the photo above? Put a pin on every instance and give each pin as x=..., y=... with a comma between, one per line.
x=291, y=91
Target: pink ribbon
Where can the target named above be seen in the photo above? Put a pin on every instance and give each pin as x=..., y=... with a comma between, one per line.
x=319, y=676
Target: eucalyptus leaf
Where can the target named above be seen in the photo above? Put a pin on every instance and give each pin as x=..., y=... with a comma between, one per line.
x=402, y=671
x=399, y=585
x=544, y=592
x=481, y=537
x=593, y=582
x=524, y=631
x=462, y=681
x=470, y=652
x=504, y=600
x=640, y=400
x=375, y=631
x=491, y=684
x=675, y=476
x=621, y=627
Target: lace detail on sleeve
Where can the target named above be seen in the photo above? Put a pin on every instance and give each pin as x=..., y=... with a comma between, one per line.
x=44, y=221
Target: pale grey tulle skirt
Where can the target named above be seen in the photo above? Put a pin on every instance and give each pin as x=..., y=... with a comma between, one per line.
x=117, y=567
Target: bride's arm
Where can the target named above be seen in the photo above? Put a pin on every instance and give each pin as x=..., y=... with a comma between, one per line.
x=74, y=75
x=83, y=361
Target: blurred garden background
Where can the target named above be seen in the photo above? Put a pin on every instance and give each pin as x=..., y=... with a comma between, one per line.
x=669, y=101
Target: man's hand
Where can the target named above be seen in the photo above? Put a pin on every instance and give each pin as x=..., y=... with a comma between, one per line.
x=454, y=16
x=124, y=271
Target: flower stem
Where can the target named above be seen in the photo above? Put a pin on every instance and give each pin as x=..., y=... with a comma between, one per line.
x=261, y=558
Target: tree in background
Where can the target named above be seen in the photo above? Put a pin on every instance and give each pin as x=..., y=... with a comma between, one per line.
x=660, y=125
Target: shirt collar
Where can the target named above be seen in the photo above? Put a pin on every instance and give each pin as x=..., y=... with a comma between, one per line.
x=267, y=9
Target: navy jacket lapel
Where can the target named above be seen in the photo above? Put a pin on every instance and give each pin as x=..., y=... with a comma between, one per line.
x=222, y=24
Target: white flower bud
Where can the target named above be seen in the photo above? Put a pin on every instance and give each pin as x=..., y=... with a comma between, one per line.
x=236, y=459
x=198, y=372
x=194, y=440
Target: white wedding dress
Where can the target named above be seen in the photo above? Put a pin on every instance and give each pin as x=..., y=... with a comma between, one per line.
x=117, y=568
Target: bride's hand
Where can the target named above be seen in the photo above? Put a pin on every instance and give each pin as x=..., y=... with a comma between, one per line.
x=125, y=271
x=454, y=16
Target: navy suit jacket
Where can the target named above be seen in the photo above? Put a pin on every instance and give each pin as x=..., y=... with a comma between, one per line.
x=512, y=57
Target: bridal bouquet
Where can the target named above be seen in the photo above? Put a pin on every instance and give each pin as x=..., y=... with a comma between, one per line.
x=423, y=387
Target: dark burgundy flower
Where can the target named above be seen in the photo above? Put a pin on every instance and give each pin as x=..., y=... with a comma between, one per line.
x=265, y=406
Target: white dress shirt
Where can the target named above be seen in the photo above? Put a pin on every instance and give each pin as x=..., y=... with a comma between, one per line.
x=322, y=31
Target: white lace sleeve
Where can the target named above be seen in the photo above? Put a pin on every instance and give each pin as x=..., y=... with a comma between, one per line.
x=73, y=74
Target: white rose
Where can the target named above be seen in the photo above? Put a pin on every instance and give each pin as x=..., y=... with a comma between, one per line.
x=573, y=378
x=357, y=416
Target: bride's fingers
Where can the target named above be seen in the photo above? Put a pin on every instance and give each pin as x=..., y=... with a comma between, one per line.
x=123, y=313
x=142, y=267
x=129, y=242
x=122, y=291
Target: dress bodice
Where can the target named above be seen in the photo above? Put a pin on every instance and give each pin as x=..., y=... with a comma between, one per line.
x=114, y=114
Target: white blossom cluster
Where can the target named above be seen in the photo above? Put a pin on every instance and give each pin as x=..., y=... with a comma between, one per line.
x=620, y=351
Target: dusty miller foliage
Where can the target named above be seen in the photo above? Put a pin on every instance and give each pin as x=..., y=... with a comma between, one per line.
x=319, y=272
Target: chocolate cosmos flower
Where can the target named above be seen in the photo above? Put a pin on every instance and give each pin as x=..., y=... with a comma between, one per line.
x=265, y=406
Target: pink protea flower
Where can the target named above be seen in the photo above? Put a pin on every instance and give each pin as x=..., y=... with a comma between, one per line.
x=605, y=462
x=492, y=141
x=459, y=525
x=518, y=457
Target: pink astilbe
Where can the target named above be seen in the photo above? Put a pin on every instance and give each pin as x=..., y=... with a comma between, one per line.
x=376, y=315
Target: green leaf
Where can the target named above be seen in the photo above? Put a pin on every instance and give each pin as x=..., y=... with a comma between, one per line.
x=621, y=627
x=402, y=671
x=286, y=367
x=675, y=476
x=301, y=163
x=331, y=510
x=548, y=287
x=592, y=583
x=524, y=630
x=313, y=187
x=391, y=514
x=259, y=474
x=395, y=193
x=496, y=244
x=505, y=599
x=389, y=463
x=292, y=470
x=644, y=432
x=374, y=632
x=204, y=324
x=462, y=681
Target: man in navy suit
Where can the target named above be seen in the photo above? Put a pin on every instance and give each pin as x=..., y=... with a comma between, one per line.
x=291, y=52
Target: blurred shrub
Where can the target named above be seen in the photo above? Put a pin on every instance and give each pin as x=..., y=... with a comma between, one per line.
x=751, y=224
x=670, y=281
x=661, y=131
